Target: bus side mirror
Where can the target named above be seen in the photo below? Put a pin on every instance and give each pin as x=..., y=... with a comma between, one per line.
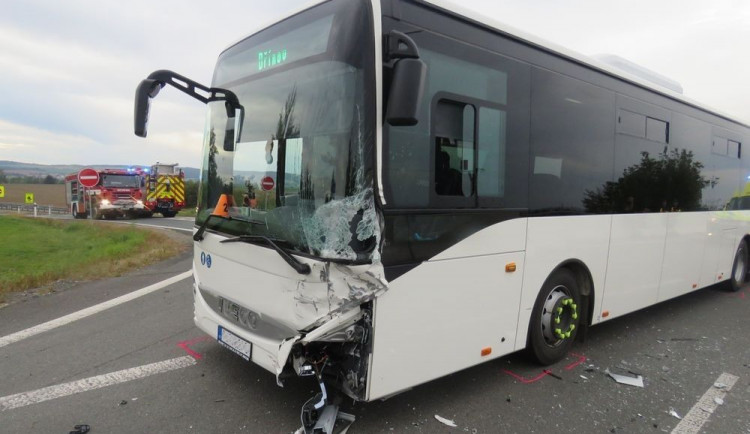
x=408, y=80
x=146, y=90
x=407, y=90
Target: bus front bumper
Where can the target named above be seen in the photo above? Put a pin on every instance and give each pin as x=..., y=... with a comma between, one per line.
x=268, y=353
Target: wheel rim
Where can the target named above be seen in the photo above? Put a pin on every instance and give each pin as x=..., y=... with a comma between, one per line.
x=559, y=316
x=740, y=267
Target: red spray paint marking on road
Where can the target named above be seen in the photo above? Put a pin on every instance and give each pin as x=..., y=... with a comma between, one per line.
x=527, y=380
x=580, y=360
x=546, y=372
x=185, y=345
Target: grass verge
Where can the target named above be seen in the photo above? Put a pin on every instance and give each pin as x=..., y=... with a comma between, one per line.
x=37, y=252
x=187, y=212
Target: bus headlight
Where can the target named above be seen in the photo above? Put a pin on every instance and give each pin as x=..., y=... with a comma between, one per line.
x=106, y=202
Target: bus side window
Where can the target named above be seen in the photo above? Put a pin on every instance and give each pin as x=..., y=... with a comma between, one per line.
x=454, y=148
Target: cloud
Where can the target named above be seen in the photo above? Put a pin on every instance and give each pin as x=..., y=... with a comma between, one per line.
x=70, y=68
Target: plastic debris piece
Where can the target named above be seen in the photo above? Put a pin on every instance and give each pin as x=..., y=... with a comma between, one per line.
x=720, y=385
x=624, y=379
x=674, y=413
x=584, y=377
x=80, y=429
x=719, y=401
x=445, y=421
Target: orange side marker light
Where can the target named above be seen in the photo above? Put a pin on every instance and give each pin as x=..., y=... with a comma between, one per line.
x=510, y=267
x=486, y=351
x=605, y=314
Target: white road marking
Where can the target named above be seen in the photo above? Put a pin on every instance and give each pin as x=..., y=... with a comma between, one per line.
x=83, y=313
x=152, y=226
x=58, y=391
x=704, y=408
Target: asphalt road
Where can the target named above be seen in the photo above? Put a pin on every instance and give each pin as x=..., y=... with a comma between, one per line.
x=170, y=378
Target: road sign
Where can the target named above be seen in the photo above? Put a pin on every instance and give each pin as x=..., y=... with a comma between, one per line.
x=2, y=191
x=88, y=177
x=267, y=183
x=29, y=198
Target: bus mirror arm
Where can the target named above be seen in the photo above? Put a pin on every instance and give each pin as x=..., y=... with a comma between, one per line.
x=150, y=87
x=407, y=82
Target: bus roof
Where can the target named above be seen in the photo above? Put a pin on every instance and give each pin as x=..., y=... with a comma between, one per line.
x=534, y=41
x=551, y=47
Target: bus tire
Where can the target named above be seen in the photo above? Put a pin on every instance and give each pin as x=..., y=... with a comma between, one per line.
x=555, y=318
x=739, y=268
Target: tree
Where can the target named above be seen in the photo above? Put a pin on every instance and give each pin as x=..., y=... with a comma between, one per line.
x=670, y=182
x=49, y=179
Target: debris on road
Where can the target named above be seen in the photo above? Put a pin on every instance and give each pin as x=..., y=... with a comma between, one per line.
x=720, y=385
x=445, y=421
x=552, y=374
x=636, y=381
x=584, y=377
x=674, y=413
x=123, y=402
x=719, y=401
x=80, y=429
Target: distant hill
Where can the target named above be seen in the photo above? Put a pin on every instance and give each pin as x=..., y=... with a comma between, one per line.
x=14, y=168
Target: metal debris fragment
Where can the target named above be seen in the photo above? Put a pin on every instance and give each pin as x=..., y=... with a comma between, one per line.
x=624, y=379
x=80, y=429
x=445, y=421
x=720, y=385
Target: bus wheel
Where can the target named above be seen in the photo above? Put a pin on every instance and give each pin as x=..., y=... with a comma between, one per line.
x=739, y=268
x=555, y=318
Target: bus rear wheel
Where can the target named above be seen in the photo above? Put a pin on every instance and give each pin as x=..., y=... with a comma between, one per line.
x=555, y=318
x=739, y=268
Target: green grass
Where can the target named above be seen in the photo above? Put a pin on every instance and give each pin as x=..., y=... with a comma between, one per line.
x=187, y=212
x=36, y=252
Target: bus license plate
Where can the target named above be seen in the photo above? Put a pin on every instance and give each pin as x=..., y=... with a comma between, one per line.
x=235, y=343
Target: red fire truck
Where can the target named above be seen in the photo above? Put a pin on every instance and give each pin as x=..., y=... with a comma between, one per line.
x=116, y=194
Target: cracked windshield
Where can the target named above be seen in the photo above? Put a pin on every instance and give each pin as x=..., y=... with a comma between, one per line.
x=300, y=170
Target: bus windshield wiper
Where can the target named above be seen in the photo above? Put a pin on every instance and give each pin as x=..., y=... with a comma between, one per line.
x=298, y=266
x=199, y=235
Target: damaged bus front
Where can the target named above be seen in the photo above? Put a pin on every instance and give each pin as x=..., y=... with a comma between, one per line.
x=287, y=258
x=287, y=253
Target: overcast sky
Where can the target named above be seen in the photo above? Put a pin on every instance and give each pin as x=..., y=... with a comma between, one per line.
x=68, y=69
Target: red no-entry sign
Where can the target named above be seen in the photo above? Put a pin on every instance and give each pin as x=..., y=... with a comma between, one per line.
x=88, y=177
x=267, y=183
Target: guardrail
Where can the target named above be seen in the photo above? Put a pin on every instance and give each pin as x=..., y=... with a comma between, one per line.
x=35, y=209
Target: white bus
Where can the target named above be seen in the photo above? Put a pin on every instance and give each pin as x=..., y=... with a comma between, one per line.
x=395, y=190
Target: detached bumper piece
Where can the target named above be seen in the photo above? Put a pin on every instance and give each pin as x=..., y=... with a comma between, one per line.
x=321, y=416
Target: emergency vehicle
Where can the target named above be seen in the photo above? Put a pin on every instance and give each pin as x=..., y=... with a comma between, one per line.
x=116, y=194
x=165, y=189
